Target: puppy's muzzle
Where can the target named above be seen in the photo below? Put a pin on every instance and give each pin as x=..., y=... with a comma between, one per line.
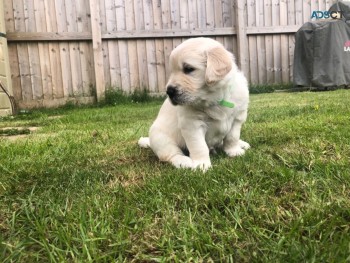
x=171, y=91
x=173, y=94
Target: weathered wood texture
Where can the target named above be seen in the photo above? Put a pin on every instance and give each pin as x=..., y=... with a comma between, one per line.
x=5, y=75
x=62, y=50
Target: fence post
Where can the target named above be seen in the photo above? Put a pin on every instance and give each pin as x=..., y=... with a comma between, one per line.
x=242, y=38
x=97, y=49
x=7, y=105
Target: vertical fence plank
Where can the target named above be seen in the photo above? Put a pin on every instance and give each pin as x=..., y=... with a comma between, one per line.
x=276, y=39
x=123, y=46
x=175, y=20
x=228, y=17
x=15, y=73
x=113, y=49
x=157, y=24
x=141, y=45
x=168, y=43
x=261, y=43
x=13, y=54
x=9, y=16
x=22, y=49
x=323, y=5
x=90, y=87
x=284, y=42
x=218, y=18
x=306, y=10
x=35, y=72
x=184, y=19
x=201, y=14
x=44, y=52
x=328, y=3
x=317, y=5
x=291, y=12
x=74, y=49
x=5, y=75
x=33, y=52
x=97, y=49
x=298, y=6
x=291, y=21
x=54, y=51
x=150, y=48
x=291, y=56
x=23, y=63
x=106, y=62
x=253, y=63
x=242, y=39
x=132, y=47
x=64, y=56
x=268, y=42
x=192, y=14
x=86, y=57
x=209, y=14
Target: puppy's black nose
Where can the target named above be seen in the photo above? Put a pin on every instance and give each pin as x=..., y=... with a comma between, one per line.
x=171, y=91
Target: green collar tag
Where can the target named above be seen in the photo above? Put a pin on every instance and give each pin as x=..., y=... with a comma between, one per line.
x=227, y=104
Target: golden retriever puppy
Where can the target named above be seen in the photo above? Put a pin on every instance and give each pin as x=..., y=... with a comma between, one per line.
x=206, y=106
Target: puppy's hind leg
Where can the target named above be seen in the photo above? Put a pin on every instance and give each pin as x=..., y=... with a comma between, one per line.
x=233, y=146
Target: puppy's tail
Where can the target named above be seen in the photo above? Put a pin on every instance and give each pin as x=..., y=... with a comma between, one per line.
x=144, y=142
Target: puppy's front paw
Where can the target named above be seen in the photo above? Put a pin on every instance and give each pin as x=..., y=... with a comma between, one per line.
x=144, y=142
x=235, y=151
x=180, y=161
x=202, y=165
x=244, y=145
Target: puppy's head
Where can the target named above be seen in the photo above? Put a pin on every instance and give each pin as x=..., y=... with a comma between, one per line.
x=197, y=66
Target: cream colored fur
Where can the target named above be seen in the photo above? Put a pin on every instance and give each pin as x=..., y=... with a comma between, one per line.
x=203, y=73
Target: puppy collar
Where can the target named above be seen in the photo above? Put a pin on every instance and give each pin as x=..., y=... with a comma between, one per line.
x=226, y=103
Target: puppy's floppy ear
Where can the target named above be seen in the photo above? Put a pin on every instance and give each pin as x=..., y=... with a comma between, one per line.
x=219, y=63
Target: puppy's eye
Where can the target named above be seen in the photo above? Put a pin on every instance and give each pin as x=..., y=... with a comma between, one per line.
x=188, y=69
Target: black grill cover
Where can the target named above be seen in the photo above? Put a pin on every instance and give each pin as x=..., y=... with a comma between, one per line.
x=321, y=56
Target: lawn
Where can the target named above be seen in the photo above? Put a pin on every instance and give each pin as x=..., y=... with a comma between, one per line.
x=79, y=189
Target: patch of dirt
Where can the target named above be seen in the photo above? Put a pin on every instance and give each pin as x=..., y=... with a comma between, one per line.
x=55, y=117
x=15, y=133
x=127, y=179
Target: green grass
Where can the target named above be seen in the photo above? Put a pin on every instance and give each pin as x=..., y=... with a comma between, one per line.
x=269, y=88
x=80, y=190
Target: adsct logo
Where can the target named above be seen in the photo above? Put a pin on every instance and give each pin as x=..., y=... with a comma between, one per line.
x=347, y=46
x=327, y=14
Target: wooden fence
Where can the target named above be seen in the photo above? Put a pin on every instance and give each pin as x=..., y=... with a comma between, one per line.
x=63, y=50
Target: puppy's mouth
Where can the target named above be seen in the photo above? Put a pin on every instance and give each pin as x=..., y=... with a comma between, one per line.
x=174, y=101
x=177, y=101
x=176, y=96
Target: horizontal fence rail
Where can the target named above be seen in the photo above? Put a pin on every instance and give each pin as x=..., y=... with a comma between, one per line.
x=169, y=33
